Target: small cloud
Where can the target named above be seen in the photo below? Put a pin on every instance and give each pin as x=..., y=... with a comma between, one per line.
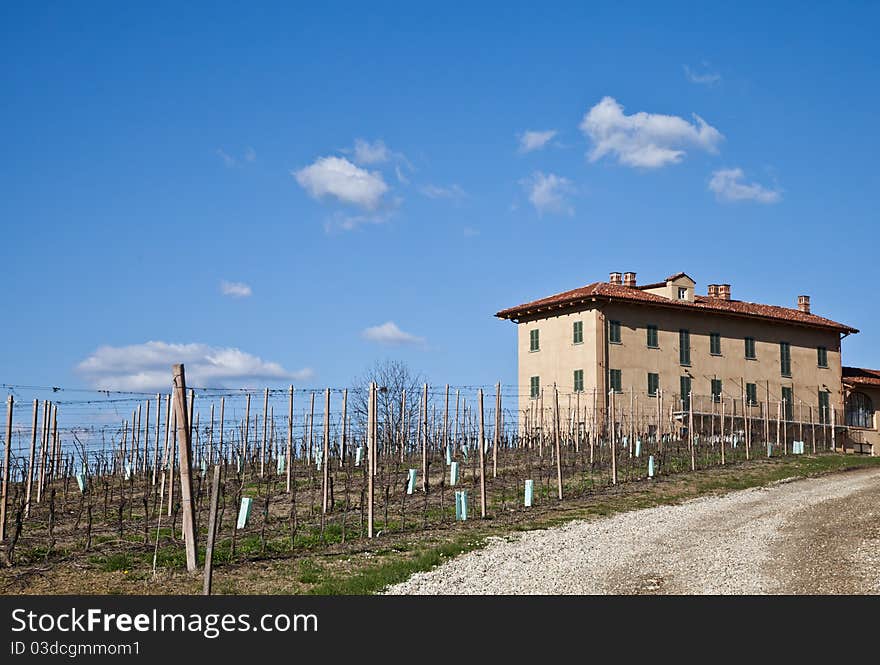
x=547, y=193
x=228, y=159
x=147, y=367
x=235, y=289
x=371, y=153
x=729, y=185
x=706, y=77
x=401, y=178
x=644, y=140
x=535, y=140
x=440, y=192
x=338, y=178
x=389, y=333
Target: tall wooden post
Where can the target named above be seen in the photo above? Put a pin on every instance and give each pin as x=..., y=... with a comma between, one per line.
x=371, y=442
x=613, y=436
x=220, y=438
x=497, y=430
x=5, y=490
x=446, y=422
x=244, y=437
x=265, y=424
x=425, y=439
x=185, y=451
x=482, y=447
x=556, y=440
x=212, y=531
x=156, y=444
x=30, y=476
x=288, y=457
x=325, y=453
x=722, y=431
x=691, y=430
x=342, y=440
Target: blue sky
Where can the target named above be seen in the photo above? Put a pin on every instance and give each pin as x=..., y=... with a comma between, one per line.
x=152, y=154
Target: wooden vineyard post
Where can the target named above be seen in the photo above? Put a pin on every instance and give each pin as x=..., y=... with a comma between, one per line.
x=220, y=438
x=185, y=451
x=5, y=490
x=424, y=426
x=722, y=431
x=497, y=430
x=30, y=476
x=289, y=438
x=691, y=430
x=158, y=423
x=325, y=454
x=613, y=438
x=556, y=440
x=342, y=438
x=244, y=437
x=212, y=531
x=265, y=424
x=446, y=422
x=371, y=439
x=482, y=447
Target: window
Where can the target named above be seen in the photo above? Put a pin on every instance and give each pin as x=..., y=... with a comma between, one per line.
x=752, y=394
x=859, y=410
x=682, y=293
x=822, y=353
x=653, y=338
x=824, y=406
x=579, y=380
x=653, y=384
x=614, y=332
x=787, y=403
x=750, y=348
x=715, y=344
x=785, y=358
x=716, y=390
x=685, y=386
x=577, y=334
x=534, y=342
x=534, y=387
x=684, y=347
x=615, y=379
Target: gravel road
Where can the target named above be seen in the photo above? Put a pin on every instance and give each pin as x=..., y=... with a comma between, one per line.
x=817, y=535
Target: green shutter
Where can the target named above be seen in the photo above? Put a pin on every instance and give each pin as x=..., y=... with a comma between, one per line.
x=652, y=337
x=715, y=344
x=535, y=387
x=579, y=380
x=614, y=332
x=751, y=394
x=684, y=347
x=750, y=348
x=787, y=402
x=785, y=358
x=653, y=383
x=616, y=380
x=685, y=390
x=716, y=390
x=578, y=332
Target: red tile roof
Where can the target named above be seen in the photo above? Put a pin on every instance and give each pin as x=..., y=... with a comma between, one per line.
x=615, y=292
x=861, y=376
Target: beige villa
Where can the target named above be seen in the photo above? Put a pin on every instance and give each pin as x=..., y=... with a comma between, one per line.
x=665, y=341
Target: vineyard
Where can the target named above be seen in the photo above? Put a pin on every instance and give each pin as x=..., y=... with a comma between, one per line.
x=203, y=477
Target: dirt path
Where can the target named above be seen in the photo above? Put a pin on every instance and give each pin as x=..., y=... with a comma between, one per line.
x=809, y=536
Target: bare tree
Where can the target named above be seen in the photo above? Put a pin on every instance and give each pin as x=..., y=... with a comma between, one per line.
x=392, y=377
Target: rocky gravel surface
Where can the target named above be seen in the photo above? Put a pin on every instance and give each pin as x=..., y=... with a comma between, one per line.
x=806, y=536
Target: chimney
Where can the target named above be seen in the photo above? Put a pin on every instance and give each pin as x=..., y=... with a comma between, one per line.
x=713, y=290
x=629, y=279
x=724, y=291
x=804, y=304
x=615, y=278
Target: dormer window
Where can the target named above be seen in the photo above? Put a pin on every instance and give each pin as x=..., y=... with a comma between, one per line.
x=682, y=293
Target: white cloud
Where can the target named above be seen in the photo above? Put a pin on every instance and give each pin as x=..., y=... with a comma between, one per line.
x=535, y=140
x=707, y=77
x=441, y=192
x=647, y=140
x=400, y=176
x=547, y=192
x=235, y=289
x=389, y=333
x=228, y=159
x=371, y=153
x=148, y=367
x=339, y=178
x=729, y=185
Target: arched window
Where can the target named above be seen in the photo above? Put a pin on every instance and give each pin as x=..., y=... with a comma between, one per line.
x=859, y=410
